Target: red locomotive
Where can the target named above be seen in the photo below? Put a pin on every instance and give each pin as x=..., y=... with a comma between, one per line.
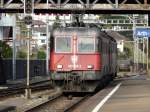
x=82, y=58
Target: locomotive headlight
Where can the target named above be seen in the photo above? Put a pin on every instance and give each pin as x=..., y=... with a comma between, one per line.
x=90, y=66
x=59, y=66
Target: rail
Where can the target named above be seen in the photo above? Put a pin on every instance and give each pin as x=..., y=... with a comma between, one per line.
x=71, y=107
x=20, y=89
x=59, y=104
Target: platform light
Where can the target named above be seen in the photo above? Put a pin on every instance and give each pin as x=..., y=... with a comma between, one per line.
x=90, y=66
x=59, y=66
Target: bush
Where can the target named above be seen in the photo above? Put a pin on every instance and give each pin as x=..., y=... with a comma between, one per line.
x=41, y=55
x=21, y=54
x=6, y=50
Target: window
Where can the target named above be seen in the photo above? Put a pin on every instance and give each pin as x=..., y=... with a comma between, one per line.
x=43, y=34
x=42, y=41
x=63, y=44
x=86, y=45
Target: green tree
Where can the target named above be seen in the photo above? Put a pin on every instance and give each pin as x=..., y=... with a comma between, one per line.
x=127, y=51
x=126, y=54
x=41, y=55
x=6, y=50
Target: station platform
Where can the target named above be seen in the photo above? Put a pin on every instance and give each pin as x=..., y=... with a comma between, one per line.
x=130, y=94
x=20, y=82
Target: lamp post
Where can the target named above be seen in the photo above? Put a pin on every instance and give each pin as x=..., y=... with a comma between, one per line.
x=147, y=54
x=135, y=57
x=14, y=48
x=147, y=44
x=143, y=53
x=47, y=42
x=28, y=89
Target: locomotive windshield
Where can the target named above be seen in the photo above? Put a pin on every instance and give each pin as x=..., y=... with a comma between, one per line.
x=63, y=44
x=86, y=45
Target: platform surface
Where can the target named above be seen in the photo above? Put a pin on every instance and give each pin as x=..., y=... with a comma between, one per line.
x=131, y=94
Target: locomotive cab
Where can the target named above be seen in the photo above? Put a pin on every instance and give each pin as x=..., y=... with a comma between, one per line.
x=76, y=58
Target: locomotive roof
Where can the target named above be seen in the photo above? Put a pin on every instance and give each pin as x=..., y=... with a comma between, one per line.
x=84, y=31
x=77, y=30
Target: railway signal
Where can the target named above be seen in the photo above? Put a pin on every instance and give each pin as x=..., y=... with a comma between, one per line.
x=28, y=10
x=28, y=6
x=28, y=20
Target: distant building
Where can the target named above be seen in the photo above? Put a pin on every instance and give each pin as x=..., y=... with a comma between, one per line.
x=119, y=38
x=120, y=45
x=39, y=33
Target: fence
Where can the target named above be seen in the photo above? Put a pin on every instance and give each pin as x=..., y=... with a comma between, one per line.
x=37, y=68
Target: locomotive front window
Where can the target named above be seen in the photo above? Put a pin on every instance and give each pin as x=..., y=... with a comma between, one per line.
x=86, y=45
x=63, y=45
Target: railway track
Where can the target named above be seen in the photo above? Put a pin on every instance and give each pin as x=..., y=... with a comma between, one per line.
x=20, y=89
x=60, y=103
x=71, y=107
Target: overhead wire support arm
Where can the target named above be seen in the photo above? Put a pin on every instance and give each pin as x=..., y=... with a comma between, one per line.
x=37, y=2
x=53, y=3
x=59, y=3
x=65, y=2
x=123, y=2
x=138, y=1
x=114, y=6
x=142, y=5
x=7, y=3
x=82, y=3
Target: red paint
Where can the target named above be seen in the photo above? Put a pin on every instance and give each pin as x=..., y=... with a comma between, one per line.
x=83, y=61
x=75, y=61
